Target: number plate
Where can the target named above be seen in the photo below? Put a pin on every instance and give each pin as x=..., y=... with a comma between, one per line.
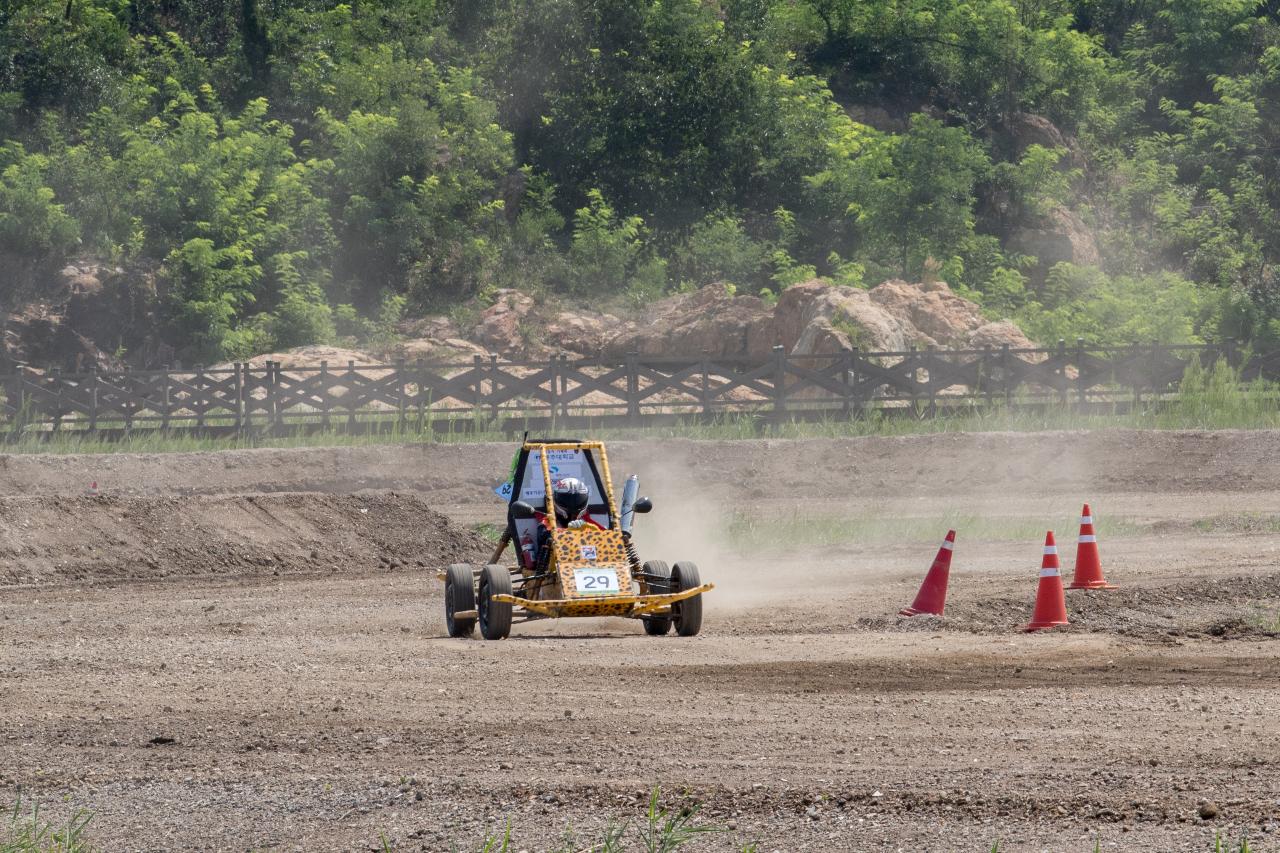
x=596, y=581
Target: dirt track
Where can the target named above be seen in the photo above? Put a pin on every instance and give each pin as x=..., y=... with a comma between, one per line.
x=280, y=630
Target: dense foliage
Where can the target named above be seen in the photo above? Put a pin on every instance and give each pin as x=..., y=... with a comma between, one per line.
x=275, y=172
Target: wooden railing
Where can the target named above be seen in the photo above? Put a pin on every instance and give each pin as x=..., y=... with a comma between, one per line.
x=636, y=390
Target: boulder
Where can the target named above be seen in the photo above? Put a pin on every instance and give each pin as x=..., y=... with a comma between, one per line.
x=501, y=325
x=876, y=117
x=1061, y=236
x=1027, y=129
x=707, y=320
x=585, y=333
x=434, y=327
x=997, y=335
x=312, y=355
x=939, y=317
x=818, y=317
x=437, y=350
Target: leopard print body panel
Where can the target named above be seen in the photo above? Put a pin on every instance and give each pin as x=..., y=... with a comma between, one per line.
x=572, y=551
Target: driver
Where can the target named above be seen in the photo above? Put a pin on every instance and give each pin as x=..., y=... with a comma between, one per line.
x=570, y=497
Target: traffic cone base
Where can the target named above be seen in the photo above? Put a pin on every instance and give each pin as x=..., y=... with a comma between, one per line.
x=932, y=597
x=1088, y=573
x=1051, y=601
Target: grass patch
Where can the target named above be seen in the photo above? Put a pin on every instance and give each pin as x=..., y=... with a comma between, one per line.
x=25, y=831
x=1265, y=620
x=777, y=532
x=1221, y=845
x=488, y=531
x=1242, y=522
x=660, y=830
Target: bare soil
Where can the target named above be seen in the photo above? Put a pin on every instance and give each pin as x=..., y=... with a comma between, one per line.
x=245, y=651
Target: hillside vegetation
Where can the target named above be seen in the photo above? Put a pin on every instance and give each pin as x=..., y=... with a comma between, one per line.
x=269, y=173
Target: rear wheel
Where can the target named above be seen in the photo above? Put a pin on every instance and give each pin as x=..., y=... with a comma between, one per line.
x=687, y=614
x=495, y=616
x=657, y=626
x=459, y=597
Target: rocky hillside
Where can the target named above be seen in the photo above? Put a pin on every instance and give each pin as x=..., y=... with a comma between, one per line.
x=815, y=317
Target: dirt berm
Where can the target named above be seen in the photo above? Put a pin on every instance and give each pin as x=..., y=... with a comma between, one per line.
x=52, y=539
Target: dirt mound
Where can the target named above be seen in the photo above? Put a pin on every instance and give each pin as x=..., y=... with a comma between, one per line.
x=50, y=540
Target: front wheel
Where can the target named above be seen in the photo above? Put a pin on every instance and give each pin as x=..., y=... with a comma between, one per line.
x=495, y=616
x=687, y=614
x=459, y=597
x=659, y=584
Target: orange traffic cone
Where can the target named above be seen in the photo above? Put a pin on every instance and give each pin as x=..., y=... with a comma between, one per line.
x=1051, y=601
x=932, y=596
x=1088, y=566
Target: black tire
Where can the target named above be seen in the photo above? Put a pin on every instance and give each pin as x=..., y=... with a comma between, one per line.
x=687, y=614
x=657, y=626
x=459, y=595
x=495, y=617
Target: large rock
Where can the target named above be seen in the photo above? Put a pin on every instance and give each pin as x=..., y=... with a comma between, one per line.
x=585, y=333
x=707, y=320
x=437, y=350
x=1026, y=129
x=818, y=317
x=501, y=325
x=997, y=335
x=1061, y=236
x=312, y=355
x=432, y=327
x=939, y=317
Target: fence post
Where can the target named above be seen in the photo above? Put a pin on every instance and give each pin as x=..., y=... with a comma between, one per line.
x=324, y=395
x=633, y=388
x=493, y=387
x=401, y=392
x=277, y=411
x=166, y=401
x=93, y=399
x=351, y=397
x=779, y=383
x=238, y=402
x=1137, y=380
x=1062, y=370
x=930, y=359
x=477, y=386
x=204, y=399
x=553, y=389
x=1081, y=385
x=57, y=412
x=22, y=415
x=985, y=384
x=850, y=375
x=126, y=407
x=422, y=397
x=705, y=392
x=562, y=376
x=1006, y=367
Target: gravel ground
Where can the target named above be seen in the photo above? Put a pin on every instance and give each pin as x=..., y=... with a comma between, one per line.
x=176, y=660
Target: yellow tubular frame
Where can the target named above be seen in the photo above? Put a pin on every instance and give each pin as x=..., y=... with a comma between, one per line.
x=577, y=445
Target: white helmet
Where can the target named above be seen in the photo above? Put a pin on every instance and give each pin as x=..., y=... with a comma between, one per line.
x=571, y=496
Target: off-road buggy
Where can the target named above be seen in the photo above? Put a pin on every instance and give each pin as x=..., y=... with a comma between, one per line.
x=591, y=570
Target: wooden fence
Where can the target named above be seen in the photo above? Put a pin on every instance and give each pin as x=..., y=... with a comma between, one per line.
x=637, y=390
